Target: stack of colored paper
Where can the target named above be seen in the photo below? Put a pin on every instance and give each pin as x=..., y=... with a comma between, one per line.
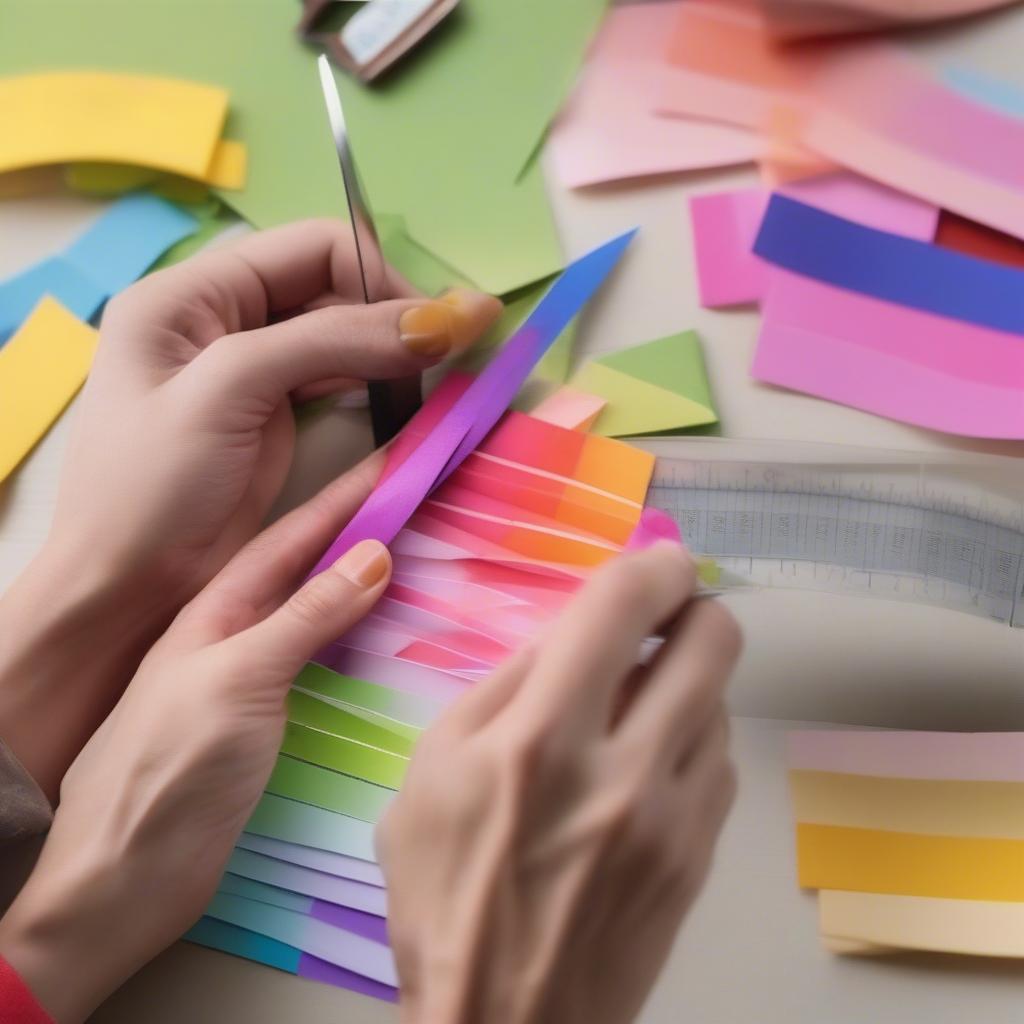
x=913, y=840
x=489, y=558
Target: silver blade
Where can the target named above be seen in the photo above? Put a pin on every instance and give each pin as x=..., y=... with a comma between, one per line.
x=368, y=251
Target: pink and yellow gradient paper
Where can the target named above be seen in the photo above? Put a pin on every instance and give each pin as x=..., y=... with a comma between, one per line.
x=725, y=225
x=915, y=840
x=608, y=130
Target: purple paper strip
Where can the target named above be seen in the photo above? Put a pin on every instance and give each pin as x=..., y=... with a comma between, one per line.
x=369, y=926
x=330, y=974
x=476, y=411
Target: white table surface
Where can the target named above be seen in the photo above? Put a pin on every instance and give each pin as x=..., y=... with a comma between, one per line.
x=749, y=953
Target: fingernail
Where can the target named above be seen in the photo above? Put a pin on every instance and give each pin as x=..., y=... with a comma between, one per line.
x=428, y=330
x=365, y=565
x=450, y=323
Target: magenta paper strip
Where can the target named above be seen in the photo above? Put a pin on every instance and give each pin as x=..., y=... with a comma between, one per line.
x=970, y=757
x=725, y=225
x=890, y=360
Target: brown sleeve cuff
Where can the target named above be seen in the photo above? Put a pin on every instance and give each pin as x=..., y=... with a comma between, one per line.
x=24, y=810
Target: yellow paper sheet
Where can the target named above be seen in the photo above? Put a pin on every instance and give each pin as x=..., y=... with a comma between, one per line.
x=930, y=806
x=41, y=368
x=900, y=863
x=881, y=922
x=170, y=124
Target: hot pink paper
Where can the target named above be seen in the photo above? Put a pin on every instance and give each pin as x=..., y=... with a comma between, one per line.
x=608, y=130
x=970, y=757
x=891, y=360
x=725, y=225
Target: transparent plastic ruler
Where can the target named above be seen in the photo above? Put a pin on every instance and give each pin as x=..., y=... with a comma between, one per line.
x=938, y=529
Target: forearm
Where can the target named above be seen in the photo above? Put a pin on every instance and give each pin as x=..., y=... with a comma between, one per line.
x=71, y=636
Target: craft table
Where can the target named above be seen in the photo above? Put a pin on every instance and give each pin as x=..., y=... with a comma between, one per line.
x=749, y=953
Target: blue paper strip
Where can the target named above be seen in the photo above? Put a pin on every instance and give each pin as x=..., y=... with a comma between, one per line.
x=229, y=938
x=113, y=252
x=1005, y=97
x=816, y=244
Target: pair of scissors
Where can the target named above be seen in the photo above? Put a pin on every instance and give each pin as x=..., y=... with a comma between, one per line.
x=392, y=403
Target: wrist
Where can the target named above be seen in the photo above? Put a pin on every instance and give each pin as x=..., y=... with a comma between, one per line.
x=74, y=634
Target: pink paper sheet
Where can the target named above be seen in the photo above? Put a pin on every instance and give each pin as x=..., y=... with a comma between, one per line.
x=969, y=757
x=608, y=130
x=891, y=360
x=725, y=225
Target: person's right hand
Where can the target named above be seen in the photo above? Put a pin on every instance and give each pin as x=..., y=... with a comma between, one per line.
x=557, y=822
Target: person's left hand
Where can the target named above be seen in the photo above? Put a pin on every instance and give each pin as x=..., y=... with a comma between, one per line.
x=151, y=808
x=185, y=430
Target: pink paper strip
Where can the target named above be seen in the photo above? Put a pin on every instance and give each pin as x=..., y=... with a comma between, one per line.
x=608, y=130
x=890, y=360
x=725, y=225
x=970, y=757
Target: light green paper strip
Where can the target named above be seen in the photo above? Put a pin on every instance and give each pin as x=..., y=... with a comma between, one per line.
x=323, y=717
x=343, y=794
x=404, y=713
x=278, y=818
x=341, y=755
x=272, y=895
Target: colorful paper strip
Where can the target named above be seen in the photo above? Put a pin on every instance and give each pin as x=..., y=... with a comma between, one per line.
x=278, y=818
x=906, y=864
x=41, y=368
x=931, y=278
x=336, y=864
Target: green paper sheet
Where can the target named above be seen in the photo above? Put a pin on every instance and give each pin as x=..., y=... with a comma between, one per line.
x=213, y=218
x=653, y=388
x=440, y=143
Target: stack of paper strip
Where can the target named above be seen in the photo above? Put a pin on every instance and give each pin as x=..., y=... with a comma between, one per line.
x=482, y=565
x=914, y=840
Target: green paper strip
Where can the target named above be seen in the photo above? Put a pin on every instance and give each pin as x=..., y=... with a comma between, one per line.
x=343, y=794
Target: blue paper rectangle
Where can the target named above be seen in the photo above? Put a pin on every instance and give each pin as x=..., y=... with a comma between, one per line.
x=809, y=241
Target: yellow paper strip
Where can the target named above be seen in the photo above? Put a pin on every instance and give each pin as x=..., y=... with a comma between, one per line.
x=227, y=165
x=41, y=367
x=61, y=117
x=947, y=867
x=929, y=806
x=979, y=928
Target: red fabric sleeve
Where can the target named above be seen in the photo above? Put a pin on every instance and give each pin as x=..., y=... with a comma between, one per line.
x=17, y=1003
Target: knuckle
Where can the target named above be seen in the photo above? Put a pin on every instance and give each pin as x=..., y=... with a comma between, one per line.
x=316, y=601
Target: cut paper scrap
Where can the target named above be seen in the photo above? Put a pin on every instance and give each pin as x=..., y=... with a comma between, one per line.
x=969, y=927
x=979, y=756
x=650, y=388
x=608, y=129
x=229, y=938
x=567, y=407
x=890, y=360
x=110, y=254
x=726, y=224
x=836, y=251
x=909, y=864
x=477, y=410
x=301, y=928
x=169, y=124
x=974, y=239
x=41, y=368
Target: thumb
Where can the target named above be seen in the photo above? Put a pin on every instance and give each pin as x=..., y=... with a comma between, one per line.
x=320, y=611
x=382, y=341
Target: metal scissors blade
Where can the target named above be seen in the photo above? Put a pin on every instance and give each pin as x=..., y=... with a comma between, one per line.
x=392, y=403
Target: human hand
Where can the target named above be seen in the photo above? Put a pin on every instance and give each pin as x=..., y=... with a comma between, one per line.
x=556, y=824
x=184, y=432
x=183, y=436
x=151, y=808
